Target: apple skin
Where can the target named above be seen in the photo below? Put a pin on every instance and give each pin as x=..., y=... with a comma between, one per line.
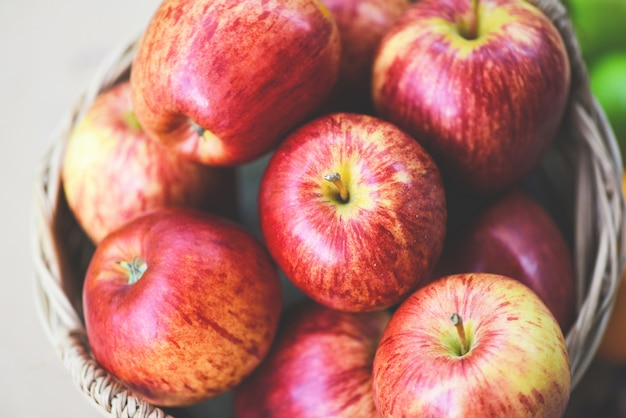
x=201, y=317
x=320, y=366
x=112, y=172
x=362, y=24
x=515, y=236
x=245, y=72
x=367, y=253
x=487, y=109
x=517, y=364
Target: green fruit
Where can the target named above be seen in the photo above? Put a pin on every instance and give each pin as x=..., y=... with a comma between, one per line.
x=599, y=25
x=608, y=84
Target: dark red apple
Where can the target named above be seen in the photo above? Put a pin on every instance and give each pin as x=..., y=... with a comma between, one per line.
x=222, y=81
x=361, y=24
x=181, y=305
x=320, y=366
x=516, y=237
x=353, y=210
x=482, y=84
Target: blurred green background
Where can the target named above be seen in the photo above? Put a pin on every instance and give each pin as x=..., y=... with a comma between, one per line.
x=600, y=27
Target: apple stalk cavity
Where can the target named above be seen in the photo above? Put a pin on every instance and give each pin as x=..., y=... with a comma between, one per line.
x=135, y=269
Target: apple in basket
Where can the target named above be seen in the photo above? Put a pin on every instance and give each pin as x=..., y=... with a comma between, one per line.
x=482, y=84
x=516, y=237
x=319, y=366
x=362, y=24
x=472, y=345
x=222, y=81
x=112, y=172
x=353, y=211
x=180, y=305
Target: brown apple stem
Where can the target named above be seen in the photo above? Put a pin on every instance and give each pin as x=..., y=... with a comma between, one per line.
x=473, y=24
x=135, y=269
x=469, y=28
x=335, y=178
x=457, y=321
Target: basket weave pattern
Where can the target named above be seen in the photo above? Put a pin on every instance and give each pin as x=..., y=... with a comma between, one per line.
x=583, y=168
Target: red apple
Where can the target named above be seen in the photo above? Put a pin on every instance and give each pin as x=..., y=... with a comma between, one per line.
x=180, y=305
x=319, y=366
x=353, y=211
x=472, y=345
x=482, y=84
x=361, y=24
x=516, y=237
x=112, y=172
x=222, y=81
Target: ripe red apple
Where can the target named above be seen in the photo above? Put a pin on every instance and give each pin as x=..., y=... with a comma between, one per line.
x=320, y=366
x=472, y=345
x=361, y=24
x=222, y=81
x=516, y=237
x=180, y=305
x=112, y=172
x=482, y=84
x=353, y=211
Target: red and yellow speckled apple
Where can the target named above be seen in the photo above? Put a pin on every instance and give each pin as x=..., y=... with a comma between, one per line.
x=472, y=345
x=361, y=24
x=482, y=84
x=320, y=366
x=515, y=236
x=112, y=172
x=222, y=81
x=353, y=211
x=180, y=305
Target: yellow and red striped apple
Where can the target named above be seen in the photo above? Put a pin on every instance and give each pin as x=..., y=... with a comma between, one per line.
x=222, y=81
x=482, y=84
x=353, y=211
x=180, y=305
x=472, y=345
x=112, y=172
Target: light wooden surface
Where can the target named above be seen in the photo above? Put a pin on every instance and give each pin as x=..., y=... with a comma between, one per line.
x=49, y=51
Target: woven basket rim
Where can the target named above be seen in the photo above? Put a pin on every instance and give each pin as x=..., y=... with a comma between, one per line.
x=600, y=246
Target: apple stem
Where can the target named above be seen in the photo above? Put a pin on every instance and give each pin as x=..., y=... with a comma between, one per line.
x=469, y=28
x=131, y=121
x=135, y=269
x=199, y=129
x=457, y=321
x=335, y=178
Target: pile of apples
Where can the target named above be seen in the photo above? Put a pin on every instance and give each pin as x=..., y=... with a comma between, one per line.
x=398, y=136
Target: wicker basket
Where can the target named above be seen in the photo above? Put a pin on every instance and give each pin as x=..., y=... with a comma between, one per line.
x=583, y=170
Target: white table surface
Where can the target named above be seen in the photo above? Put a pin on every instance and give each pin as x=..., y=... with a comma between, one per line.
x=49, y=50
